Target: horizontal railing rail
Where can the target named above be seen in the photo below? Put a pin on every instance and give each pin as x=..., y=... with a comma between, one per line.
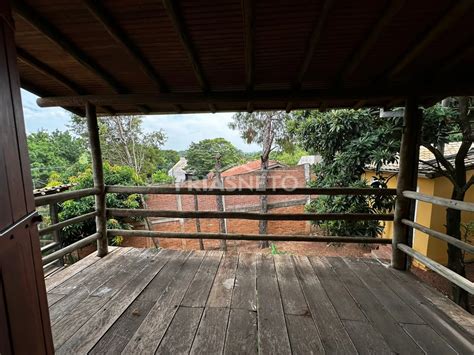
x=248, y=191
x=447, y=238
x=120, y=212
x=438, y=268
x=67, y=222
x=70, y=248
x=64, y=196
x=442, y=270
x=440, y=201
x=144, y=213
x=250, y=237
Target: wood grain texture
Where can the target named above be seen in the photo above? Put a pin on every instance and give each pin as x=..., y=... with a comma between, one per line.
x=244, y=295
x=210, y=335
x=241, y=335
x=221, y=291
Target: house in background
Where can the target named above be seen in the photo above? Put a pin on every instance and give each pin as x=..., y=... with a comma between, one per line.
x=178, y=171
x=430, y=215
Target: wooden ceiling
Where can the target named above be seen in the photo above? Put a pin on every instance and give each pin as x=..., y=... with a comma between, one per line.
x=145, y=56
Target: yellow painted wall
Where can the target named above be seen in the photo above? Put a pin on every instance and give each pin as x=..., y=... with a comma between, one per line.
x=430, y=215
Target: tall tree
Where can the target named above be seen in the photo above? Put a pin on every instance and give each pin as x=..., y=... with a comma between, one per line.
x=443, y=123
x=201, y=156
x=348, y=140
x=267, y=129
x=125, y=143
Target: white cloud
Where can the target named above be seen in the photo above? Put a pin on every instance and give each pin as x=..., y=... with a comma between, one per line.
x=181, y=130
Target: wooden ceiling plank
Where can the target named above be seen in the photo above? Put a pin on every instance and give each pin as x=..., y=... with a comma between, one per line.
x=313, y=42
x=177, y=20
x=55, y=36
x=248, y=9
x=46, y=70
x=119, y=35
x=459, y=9
x=391, y=10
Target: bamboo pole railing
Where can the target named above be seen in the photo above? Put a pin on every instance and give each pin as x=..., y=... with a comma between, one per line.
x=121, y=212
x=248, y=191
x=250, y=237
x=450, y=275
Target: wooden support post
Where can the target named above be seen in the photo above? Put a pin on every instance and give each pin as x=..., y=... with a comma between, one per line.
x=98, y=175
x=407, y=179
x=54, y=215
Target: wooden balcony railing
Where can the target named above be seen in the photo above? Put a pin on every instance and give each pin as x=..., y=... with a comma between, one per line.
x=63, y=196
x=430, y=263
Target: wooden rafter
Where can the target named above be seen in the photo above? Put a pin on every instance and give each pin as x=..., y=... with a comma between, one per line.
x=174, y=13
x=118, y=34
x=280, y=96
x=248, y=7
x=361, y=52
x=459, y=9
x=54, y=35
x=313, y=41
x=46, y=70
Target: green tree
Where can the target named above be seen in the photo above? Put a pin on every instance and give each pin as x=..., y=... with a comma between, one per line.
x=125, y=143
x=267, y=129
x=443, y=123
x=55, y=152
x=348, y=140
x=201, y=156
x=113, y=175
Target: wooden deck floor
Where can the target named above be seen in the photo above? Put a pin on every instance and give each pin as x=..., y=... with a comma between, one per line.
x=172, y=302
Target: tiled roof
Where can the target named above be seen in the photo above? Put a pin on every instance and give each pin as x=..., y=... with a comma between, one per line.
x=425, y=169
x=249, y=167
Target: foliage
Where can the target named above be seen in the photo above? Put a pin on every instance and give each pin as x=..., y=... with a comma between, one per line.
x=290, y=158
x=161, y=177
x=201, y=156
x=439, y=125
x=125, y=143
x=348, y=140
x=113, y=175
x=56, y=152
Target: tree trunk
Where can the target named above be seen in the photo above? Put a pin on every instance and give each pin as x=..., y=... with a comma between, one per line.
x=455, y=257
x=262, y=225
x=220, y=203
x=198, y=222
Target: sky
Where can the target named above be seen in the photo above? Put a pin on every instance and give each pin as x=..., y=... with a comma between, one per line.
x=181, y=130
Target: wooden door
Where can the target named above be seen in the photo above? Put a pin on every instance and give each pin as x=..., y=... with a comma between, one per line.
x=24, y=318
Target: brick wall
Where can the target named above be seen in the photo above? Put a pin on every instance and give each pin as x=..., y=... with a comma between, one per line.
x=286, y=178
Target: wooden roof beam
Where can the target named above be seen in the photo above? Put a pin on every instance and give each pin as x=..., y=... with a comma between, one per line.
x=55, y=36
x=176, y=18
x=46, y=70
x=117, y=33
x=313, y=41
x=361, y=52
x=459, y=9
x=248, y=11
x=277, y=96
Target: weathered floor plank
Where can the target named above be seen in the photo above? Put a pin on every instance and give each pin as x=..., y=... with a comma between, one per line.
x=241, y=337
x=210, y=336
x=117, y=337
x=428, y=339
x=198, y=291
x=345, y=305
x=178, y=339
x=333, y=335
x=382, y=321
x=90, y=333
x=399, y=310
x=291, y=294
x=150, y=333
x=244, y=295
x=221, y=292
x=402, y=284
x=272, y=331
x=304, y=337
x=206, y=302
